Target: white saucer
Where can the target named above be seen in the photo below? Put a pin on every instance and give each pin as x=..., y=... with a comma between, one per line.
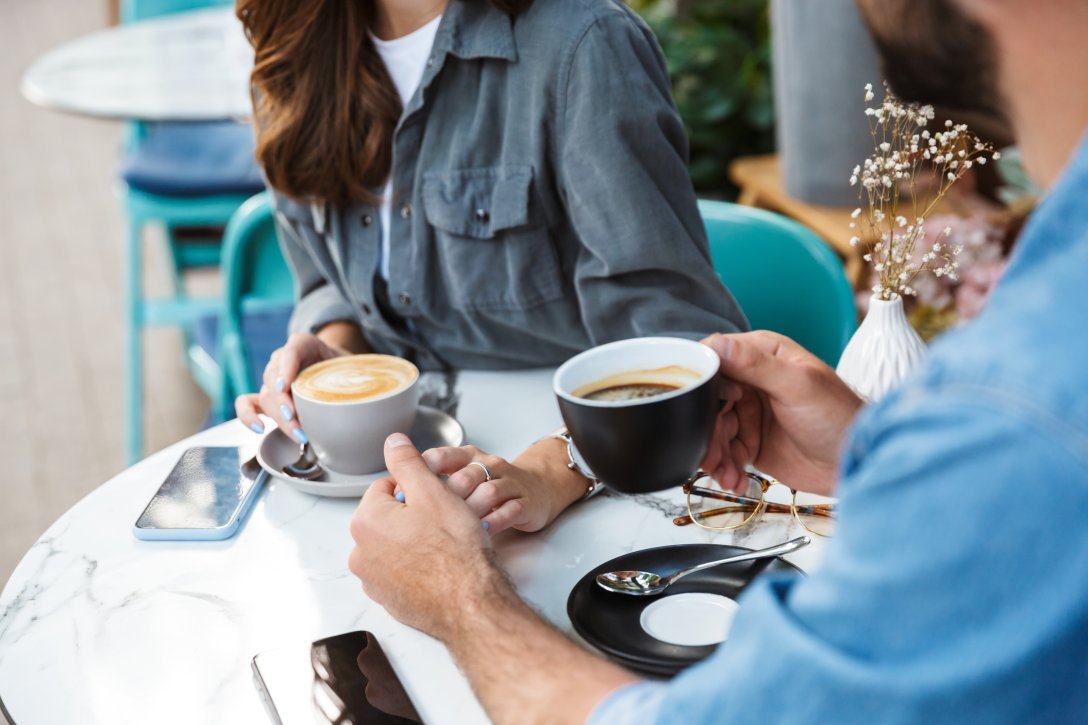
x=432, y=429
x=691, y=619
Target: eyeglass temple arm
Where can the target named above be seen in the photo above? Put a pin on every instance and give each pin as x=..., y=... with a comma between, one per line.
x=687, y=519
x=817, y=509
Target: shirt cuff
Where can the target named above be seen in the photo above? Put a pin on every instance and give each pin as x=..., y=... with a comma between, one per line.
x=320, y=307
x=636, y=704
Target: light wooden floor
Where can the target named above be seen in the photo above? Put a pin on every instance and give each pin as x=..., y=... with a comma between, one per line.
x=60, y=296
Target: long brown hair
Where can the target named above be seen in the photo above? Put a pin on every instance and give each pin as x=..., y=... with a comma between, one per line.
x=324, y=105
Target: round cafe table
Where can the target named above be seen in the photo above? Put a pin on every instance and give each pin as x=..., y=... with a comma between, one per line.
x=99, y=627
x=190, y=66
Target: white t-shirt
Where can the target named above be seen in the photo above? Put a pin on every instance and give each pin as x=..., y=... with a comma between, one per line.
x=405, y=58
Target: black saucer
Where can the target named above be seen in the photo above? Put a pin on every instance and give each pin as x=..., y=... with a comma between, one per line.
x=612, y=622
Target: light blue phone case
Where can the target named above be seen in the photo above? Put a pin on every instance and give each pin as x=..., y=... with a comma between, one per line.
x=196, y=481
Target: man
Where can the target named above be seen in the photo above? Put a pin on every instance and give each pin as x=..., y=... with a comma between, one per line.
x=930, y=606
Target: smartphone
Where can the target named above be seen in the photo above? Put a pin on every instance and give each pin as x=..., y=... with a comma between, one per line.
x=205, y=497
x=344, y=679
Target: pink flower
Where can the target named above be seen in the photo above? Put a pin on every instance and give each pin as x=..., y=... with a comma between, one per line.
x=978, y=283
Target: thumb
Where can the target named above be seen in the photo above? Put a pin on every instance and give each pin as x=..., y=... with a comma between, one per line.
x=408, y=468
x=759, y=359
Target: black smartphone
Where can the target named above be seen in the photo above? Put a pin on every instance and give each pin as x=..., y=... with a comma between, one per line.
x=205, y=496
x=345, y=680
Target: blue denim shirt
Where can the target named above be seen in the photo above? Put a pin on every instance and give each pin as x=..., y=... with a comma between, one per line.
x=956, y=589
x=542, y=201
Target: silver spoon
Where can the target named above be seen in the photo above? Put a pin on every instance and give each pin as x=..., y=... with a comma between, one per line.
x=644, y=583
x=306, y=467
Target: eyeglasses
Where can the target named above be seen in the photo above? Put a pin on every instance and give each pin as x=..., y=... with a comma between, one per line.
x=811, y=511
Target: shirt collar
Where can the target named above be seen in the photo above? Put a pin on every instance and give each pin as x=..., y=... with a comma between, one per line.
x=476, y=29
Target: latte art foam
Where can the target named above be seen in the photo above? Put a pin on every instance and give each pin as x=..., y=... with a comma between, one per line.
x=354, y=378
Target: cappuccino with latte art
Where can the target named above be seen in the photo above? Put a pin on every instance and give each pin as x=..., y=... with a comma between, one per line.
x=354, y=378
x=349, y=405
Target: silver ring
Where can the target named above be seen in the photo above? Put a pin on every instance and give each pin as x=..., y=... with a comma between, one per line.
x=487, y=473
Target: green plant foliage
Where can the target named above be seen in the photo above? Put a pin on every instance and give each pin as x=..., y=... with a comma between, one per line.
x=719, y=58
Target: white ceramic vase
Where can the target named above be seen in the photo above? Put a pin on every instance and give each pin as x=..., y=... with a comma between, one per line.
x=883, y=351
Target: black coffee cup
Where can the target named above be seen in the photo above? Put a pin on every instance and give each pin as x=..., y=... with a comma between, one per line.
x=642, y=444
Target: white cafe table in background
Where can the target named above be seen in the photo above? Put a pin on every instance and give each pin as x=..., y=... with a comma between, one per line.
x=191, y=66
x=99, y=627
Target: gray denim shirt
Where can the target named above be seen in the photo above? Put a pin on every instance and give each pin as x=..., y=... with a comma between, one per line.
x=542, y=203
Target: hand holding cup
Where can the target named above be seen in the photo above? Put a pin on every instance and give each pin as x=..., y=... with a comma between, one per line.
x=274, y=398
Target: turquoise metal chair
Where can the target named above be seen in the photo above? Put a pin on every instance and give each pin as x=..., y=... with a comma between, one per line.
x=133, y=10
x=785, y=278
x=230, y=349
x=168, y=182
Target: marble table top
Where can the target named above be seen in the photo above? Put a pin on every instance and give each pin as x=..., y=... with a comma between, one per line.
x=191, y=66
x=99, y=627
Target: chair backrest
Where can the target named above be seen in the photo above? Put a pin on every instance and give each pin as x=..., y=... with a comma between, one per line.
x=132, y=10
x=785, y=278
x=256, y=281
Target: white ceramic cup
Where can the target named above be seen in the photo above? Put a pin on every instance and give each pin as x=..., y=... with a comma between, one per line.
x=348, y=436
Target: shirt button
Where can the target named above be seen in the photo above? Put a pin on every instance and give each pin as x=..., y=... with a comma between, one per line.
x=430, y=61
x=482, y=216
x=405, y=298
x=406, y=211
x=367, y=220
x=366, y=309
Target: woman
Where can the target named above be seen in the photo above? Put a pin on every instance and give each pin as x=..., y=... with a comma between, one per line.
x=475, y=184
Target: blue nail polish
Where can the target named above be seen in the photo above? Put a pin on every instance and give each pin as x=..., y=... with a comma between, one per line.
x=256, y=427
x=400, y=496
x=280, y=385
x=285, y=412
x=486, y=526
x=299, y=436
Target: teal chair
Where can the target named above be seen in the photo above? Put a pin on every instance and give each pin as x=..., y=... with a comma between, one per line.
x=176, y=176
x=785, y=278
x=229, y=350
x=133, y=10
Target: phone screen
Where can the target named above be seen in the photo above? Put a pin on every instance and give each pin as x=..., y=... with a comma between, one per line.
x=345, y=680
x=205, y=489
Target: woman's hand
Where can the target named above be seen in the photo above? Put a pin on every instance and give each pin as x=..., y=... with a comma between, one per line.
x=274, y=398
x=785, y=413
x=525, y=495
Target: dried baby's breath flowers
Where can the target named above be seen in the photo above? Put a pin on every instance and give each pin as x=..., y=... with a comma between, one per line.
x=888, y=186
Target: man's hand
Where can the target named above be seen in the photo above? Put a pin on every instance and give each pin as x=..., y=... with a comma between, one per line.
x=786, y=413
x=428, y=561
x=417, y=557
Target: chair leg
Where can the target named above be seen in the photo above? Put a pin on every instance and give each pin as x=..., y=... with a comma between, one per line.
x=177, y=275
x=133, y=347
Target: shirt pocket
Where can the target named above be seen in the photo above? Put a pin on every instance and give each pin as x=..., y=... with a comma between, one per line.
x=492, y=242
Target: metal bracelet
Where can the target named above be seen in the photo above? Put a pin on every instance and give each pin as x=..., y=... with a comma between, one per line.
x=576, y=464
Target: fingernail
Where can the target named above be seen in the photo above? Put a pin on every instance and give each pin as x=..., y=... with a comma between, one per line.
x=397, y=440
x=299, y=436
x=400, y=496
x=725, y=346
x=486, y=526
x=280, y=385
x=285, y=412
x=256, y=427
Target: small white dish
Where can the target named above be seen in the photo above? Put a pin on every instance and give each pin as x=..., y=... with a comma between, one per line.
x=432, y=429
x=692, y=619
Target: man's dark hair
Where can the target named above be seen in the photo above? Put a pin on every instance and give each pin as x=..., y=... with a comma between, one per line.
x=933, y=53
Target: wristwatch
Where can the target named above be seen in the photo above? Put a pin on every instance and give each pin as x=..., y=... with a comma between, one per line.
x=576, y=463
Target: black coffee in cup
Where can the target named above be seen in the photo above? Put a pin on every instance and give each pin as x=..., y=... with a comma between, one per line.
x=638, y=384
x=634, y=391
x=641, y=411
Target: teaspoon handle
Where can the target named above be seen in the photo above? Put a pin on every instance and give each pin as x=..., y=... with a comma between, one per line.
x=784, y=548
